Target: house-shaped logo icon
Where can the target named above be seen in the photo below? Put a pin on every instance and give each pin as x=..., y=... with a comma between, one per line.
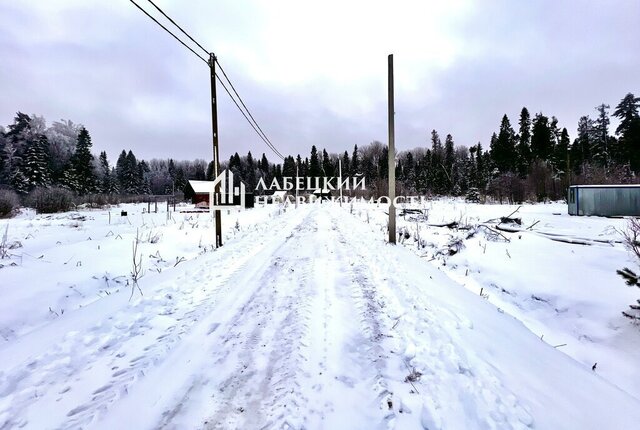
x=227, y=191
x=230, y=197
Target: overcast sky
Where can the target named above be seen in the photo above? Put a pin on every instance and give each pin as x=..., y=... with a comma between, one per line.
x=312, y=72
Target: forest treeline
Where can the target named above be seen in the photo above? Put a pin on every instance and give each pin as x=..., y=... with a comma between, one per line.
x=530, y=159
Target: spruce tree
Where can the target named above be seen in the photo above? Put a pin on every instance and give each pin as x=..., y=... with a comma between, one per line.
x=561, y=152
x=105, y=172
x=264, y=170
x=20, y=133
x=289, y=167
x=142, y=183
x=128, y=174
x=541, y=138
x=108, y=181
x=18, y=138
x=82, y=164
x=301, y=166
x=250, y=173
x=21, y=125
x=327, y=166
x=503, y=147
x=264, y=163
x=435, y=174
x=600, y=149
x=523, y=148
x=235, y=165
x=69, y=179
x=449, y=160
x=132, y=176
x=314, y=163
x=121, y=171
x=172, y=170
x=346, y=164
x=409, y=170
x=181, y=179
x=355, y=161
x=36, y=166
x=629, y=130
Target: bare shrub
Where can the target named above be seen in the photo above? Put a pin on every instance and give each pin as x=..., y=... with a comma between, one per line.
x=632, y=242
x=9, y=201
x=4, y=247
x=507, y=186
x=632, y=237
x=136, y=268
x=50, y=200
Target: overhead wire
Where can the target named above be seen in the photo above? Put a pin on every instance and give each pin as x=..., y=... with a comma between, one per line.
x=249, y=112
x=252, y=122
x=179, y=28
x=169, y=31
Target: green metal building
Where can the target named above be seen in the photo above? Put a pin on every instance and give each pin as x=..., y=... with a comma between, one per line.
x=604, y=200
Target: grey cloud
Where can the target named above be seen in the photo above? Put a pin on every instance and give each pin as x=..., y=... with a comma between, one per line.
x=107, y=66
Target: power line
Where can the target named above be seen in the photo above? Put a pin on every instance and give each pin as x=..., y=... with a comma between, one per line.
x=245, y=117
x=179, y=28
x=247, y=109
x=169, y=31
x=261, y=134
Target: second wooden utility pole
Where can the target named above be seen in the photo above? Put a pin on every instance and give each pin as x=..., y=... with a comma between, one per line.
x=340, y=177
x=392, y=159
x=216, y=156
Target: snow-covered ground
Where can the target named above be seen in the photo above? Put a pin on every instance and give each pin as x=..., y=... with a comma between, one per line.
x=566, y=293
x=307, y=319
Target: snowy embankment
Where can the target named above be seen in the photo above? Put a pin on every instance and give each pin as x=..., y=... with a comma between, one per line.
x=305, y=319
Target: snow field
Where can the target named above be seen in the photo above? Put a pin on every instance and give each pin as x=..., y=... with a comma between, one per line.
x=568, y=294
x=304, y=319
x=73, y=259
x=83, y=343
x=481, y=360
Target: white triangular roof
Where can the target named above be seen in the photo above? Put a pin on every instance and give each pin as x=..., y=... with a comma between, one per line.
x=202, y=186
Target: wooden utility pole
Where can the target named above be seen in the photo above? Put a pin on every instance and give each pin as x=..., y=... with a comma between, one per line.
x=392, y=159
x=340, y=178
x=216, y=156
x=296, y=185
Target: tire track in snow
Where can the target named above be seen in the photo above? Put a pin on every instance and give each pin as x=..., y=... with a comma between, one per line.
x=265, y=390
x=297, y=352
x=120, y=349
x=374, y=321
x=256, y=357
x=456, y=390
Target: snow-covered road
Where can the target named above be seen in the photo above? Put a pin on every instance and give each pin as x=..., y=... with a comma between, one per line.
x=310, y=322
